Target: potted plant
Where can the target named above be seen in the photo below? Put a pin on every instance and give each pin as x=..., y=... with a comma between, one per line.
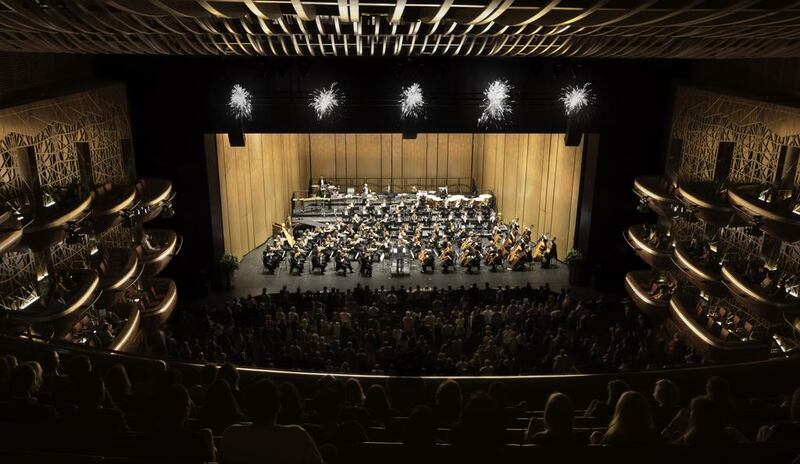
x=228, y=264
x=574, y=259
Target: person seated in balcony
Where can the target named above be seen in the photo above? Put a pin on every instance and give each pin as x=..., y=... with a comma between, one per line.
x=264, y=440
x=632, y=423
x=707, y=425
x=292, y=409
x=22, y=407
x=220, y=408
x=559, y=418
x=172, y=440
x=89, y=415
x=379, y=410
x=785, y=432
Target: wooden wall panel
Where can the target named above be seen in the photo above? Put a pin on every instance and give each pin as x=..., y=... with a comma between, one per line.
x=257, y=182
x=534, y=177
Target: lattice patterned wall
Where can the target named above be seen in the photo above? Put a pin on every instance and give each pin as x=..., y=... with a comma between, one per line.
x=684, y=230
x=17, y=278
x=64, y=256
x=702, y=120
x=52, y=127
x=118, y=236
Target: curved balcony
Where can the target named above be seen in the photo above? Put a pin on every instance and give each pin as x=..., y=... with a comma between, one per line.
x=108, y=201
x=10, y=231
x=652, y=245
x=159, y=298
x=658, y=193
x=775, y=218
x=47, y=226
x=164, y=245
x=683, y=311
x=152, y=193
x=706, y=201
x=116, y=268
x=639, y=285
x=58, y=314
x=767, y=302
x=119, y=330
x=703, y=271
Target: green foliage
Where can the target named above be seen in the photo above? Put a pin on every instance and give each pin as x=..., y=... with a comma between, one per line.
x=574, y=256
x=229, y=263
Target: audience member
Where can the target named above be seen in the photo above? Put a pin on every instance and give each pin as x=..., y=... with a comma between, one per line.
x=707, y=425
x=559, y=419
x=632, y=423
x=220, y=409
x=264, y=440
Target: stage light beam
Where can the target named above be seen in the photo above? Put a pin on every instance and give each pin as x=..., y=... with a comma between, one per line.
x=240, y=104
x=496, y=102
x=325, y=101
x=412, y=102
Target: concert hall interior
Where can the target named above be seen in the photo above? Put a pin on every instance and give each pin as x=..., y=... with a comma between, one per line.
x=352, y=231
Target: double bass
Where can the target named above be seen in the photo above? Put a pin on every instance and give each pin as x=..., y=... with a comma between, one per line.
x=539, y=249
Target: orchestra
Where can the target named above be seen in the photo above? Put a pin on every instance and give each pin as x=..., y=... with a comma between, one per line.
x=458, y=231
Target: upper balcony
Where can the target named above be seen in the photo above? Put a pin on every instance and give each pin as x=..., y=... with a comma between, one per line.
x=115, y=328
x=158, y=299
x=651, y=243
x=58, y=312
x=706, y=201
x=116, y=268
x=656, y=192
x=153, y=194
x=702, y=266
x=650, y=292
x=709, y=332
x=759, y=290
x=108, y=200
x=159, y=246
x=776, y=213
x=48, y=224
x=10, y=230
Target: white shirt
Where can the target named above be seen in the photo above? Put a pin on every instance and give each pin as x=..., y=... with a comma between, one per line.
x=257, y=443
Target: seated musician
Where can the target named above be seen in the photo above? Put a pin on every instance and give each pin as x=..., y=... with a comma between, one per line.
x=365, y=264
x=427, y=260
x=343, y=262
x=447, y=259
x=318, y=261
x=296, y=262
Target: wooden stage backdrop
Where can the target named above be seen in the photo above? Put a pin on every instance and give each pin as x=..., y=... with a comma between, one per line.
x=534, y=176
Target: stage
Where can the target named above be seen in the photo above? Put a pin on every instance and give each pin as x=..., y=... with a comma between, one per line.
x=251, y=277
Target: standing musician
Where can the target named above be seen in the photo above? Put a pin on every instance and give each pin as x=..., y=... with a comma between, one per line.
x=550, y=253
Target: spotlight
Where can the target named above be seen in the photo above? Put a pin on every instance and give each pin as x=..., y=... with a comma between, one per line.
x=642, y=206
x=412, y=102
x=325, y=101
x=240, y=104
x=576, y=98
x=496, y=102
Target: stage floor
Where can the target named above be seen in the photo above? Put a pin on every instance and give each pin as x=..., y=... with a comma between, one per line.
x=251, y=277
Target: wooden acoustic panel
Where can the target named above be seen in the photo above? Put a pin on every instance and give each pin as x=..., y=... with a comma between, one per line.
x=534, y=177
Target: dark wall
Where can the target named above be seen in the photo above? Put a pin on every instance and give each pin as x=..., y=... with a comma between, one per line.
x=174, y=100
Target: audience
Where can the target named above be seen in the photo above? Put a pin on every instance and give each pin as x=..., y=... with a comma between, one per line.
x=786, y=432
x=632, y=423
x=420, y=427
x=263, y=440
x=23, y=407
x=446, y=331
x=89, y=414
x=172, y=439
x=220, y=408
x=707, y=425
x=559, y=418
